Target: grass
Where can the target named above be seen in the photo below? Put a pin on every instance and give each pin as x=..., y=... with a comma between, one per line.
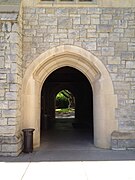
x=65, y=110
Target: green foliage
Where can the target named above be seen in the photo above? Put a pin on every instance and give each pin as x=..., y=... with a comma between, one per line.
x=61, y=100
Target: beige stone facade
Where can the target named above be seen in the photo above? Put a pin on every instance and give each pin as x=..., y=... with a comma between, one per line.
x=97, y=38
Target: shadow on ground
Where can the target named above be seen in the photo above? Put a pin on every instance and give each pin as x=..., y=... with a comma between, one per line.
x=64, y=143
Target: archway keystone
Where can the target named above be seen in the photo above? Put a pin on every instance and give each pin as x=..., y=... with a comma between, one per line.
x=104, y=99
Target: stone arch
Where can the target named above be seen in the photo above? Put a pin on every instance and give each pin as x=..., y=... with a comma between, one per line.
x=104, y=99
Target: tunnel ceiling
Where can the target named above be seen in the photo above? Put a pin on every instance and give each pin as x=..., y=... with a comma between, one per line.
x=66, y=74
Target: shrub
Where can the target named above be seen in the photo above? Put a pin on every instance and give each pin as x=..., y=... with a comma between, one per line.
x=61, y=100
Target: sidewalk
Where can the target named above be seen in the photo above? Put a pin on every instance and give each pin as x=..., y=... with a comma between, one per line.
x=69, y=164
x=90, y=170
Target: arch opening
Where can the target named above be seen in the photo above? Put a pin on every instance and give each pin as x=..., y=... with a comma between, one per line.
x=61, y=83
x=92, y=68
x=65, y=104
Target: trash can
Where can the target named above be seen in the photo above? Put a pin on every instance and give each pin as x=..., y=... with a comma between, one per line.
x=28, y=140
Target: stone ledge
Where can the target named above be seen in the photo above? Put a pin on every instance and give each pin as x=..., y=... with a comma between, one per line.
x=123, y=140
x=123, y=135
x=6, y=16
x=9, y=9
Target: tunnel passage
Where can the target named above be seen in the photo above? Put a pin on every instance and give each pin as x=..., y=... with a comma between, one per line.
x=74, y=81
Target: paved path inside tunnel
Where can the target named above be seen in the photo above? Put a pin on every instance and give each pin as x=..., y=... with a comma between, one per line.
x=65, y=143
x=63, y=136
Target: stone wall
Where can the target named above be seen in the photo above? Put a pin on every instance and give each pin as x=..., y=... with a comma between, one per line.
x=10, y=82
x=109, y=33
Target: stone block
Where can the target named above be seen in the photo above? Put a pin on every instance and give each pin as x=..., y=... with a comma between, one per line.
x=73, y=34
x=114, y=144
x=114, y=60
x=50, y=11
x=82, y=33
x=9, y=148
x=13, y=105
x=122, y=86
x=8, y=16
x=108, y=51
x=2, y=92
x=3, y=121
x=48, y=38
x=104, y=28
x=93, y=10
x=4, y=86
x=76, y=20
x=31, y=32
x=106, y=16
x=12, y=78
x=14, y=87
x=92, y=35
x=130, y=64
x=112, y=68
x=127, y=55
x=89, y=45
x=2, y=63
x=129, y=33
x=82, y=11
x=132, y=94
x=61, y=12
x=3, y=104
x=12, y=121
x=92, y=28
x=129, y=16
x=15, y=27
x=64, y=23
x=29, y=10
x=122, y=23
x=7, y=130
x=11, y=95
x=46, y=20
x=37, y=39
x=85, y=19
x=121, y=46
x=3, y=76
x=11, y=139
x=131, y=46
x=102, y=41
x=66, y=41
x=40, y=10
x=51, y=29
x=13, y=37
x=6, y=27
x=115, y=37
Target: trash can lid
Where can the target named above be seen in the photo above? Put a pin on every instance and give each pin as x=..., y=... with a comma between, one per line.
x=28, y=129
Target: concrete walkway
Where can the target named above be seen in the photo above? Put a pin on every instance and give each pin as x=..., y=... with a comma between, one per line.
x=34, y=166
x=67, y=154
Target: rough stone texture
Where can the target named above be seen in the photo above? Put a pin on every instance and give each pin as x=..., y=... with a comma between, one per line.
x=10, y=81
x=106, y=32
x=123, y=140
x=109, y=33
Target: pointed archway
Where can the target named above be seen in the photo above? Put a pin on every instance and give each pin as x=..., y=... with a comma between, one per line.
x=62, y=82
x=96, y=73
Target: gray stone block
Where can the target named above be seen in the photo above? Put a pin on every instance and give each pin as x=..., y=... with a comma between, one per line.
x=9, y=113
x=104, y=28
x=65, y=23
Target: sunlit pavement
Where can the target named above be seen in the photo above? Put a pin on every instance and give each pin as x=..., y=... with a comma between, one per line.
x=80, y=170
